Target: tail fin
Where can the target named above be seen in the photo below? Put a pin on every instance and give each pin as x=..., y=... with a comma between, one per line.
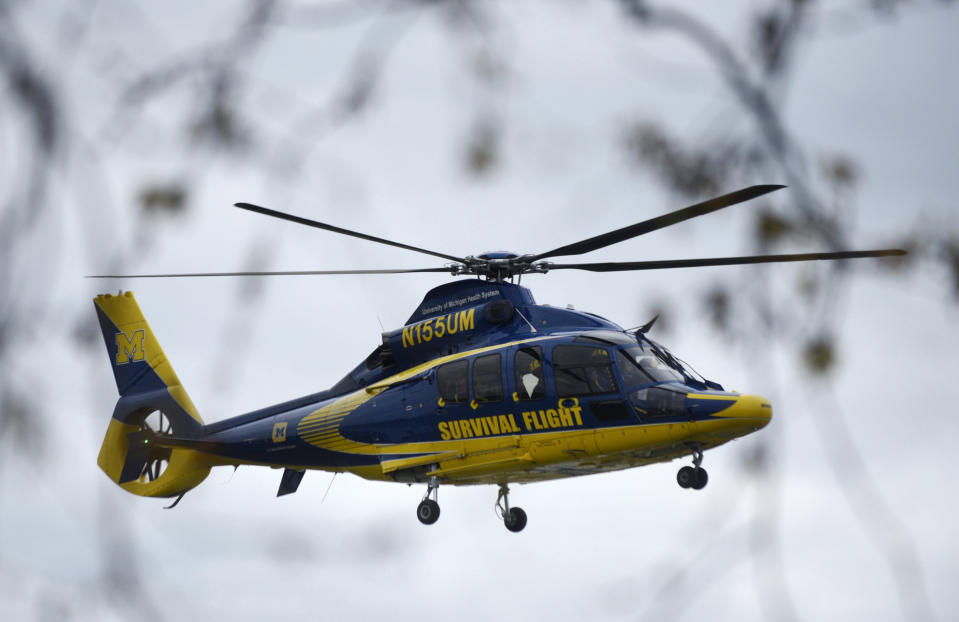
x=152, y=402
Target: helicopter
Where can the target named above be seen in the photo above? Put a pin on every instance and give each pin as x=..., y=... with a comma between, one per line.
x=481, y=386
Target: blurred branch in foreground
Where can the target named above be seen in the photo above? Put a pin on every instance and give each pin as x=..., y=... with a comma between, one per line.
x=758, y=81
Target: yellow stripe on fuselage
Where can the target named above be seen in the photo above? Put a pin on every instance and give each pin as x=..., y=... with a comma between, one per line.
x=549, y=455
x=541, y=456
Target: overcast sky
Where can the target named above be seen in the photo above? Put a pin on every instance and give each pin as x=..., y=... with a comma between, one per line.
x=621, y=546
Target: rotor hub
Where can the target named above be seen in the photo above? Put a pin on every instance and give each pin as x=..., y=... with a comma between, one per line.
x=499, y=265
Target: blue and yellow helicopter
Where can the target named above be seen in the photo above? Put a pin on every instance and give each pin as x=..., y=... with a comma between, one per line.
x=480, y=386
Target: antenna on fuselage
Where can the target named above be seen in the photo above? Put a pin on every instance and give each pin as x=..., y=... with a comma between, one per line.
x=648, y=325
x=332, y=479
x=528, y=323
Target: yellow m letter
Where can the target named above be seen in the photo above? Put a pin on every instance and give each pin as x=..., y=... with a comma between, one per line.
x=130, y=347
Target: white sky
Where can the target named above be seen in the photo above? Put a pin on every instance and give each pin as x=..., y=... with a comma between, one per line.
x=620, y=546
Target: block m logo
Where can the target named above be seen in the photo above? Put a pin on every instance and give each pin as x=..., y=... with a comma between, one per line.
x=130, y=347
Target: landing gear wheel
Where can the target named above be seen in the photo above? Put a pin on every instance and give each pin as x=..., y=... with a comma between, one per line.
x=686, y=477
x=515, y=520
x=701, y=478
x=428, y=511
x=695, y=476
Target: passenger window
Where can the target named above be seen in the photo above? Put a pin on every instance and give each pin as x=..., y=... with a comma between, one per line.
x=488, y=378
x=528, y=373
x=451, y=379
x=581, y=370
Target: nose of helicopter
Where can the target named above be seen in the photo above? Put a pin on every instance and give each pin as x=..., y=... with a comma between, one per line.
x=722, y=417
x=750, y=408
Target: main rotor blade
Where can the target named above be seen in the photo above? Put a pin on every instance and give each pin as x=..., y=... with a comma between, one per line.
x=722, y=261
x=319, y=225
x=666, y=220
x=279, y=273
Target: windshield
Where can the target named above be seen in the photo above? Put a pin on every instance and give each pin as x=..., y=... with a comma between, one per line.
x=642, y=365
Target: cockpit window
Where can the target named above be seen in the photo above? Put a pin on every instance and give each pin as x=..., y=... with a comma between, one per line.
x=582, y=370
x=641, y=365
x=633, y=374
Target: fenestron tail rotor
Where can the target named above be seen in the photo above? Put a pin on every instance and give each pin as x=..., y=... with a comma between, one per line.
x=501, y=266
x=158, y=457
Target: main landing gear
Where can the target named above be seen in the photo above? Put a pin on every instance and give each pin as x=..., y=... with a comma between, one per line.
x=428, y=511
x=695, y=476
x=514, y=518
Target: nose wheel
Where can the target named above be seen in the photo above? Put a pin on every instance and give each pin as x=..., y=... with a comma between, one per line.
x=428, y=511
x=513, y=518
x=695, y=476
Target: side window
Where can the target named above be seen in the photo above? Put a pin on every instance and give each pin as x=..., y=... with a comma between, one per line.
x=452, y=381
x=528, y=373
x=488, y=378
x=582, y=370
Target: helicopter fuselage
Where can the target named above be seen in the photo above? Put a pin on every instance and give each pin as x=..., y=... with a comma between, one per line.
x=482, y=386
